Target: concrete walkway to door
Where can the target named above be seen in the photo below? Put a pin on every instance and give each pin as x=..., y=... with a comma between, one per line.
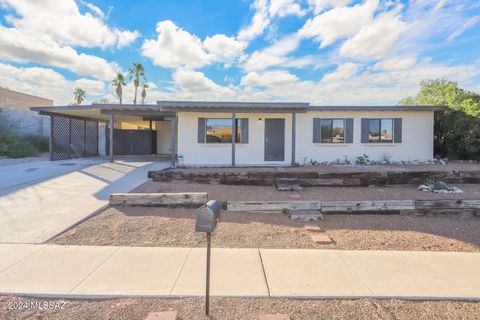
x=55, y=271
x=41, y=199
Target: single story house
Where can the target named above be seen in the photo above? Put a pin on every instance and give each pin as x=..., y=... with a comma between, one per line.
x=199, y=133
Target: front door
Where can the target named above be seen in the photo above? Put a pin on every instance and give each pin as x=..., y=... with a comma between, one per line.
x=274, y=139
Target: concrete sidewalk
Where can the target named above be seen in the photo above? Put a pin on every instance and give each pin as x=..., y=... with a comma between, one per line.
x=35, y=205
x=88, y=271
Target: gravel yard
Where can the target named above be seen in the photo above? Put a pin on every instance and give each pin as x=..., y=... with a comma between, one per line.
x=254, y=193
x=140, y=226
x=243, y=309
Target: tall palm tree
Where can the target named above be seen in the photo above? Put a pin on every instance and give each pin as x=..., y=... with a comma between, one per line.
x=118, y=82
x=135, y=74
x=79, y=95
x=144, y=92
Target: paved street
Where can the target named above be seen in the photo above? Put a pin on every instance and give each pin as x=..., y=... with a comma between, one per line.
x=50, y=270
x=41, y=199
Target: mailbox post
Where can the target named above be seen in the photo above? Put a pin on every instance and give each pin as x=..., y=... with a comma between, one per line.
x=207, y=218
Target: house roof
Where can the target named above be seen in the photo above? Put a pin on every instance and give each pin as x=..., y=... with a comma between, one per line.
x=169, y=108
x=229, y=106
x=377, y=108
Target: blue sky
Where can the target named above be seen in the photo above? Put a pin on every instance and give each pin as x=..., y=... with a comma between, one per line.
x=326, y=52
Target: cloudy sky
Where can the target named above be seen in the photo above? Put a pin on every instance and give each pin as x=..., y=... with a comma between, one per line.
x=326, y=52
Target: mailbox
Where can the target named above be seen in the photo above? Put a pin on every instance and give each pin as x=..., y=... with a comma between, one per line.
x=208, y=216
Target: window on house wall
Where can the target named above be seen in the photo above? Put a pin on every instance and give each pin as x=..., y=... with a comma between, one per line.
x=220, y=130
x=380, y=130
x=332, y=130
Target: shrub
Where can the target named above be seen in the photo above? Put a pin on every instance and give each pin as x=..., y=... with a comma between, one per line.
x=362, y=160
x=39, y=142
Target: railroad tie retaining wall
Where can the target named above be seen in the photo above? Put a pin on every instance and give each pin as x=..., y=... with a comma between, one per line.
x=191, y=199
x=312, y=179
x=418, y=207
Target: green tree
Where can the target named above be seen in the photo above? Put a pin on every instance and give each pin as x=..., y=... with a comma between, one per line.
x=144, y=92
x=118, y=82
x=457, y=129
x=79, y=95
x=135, y=73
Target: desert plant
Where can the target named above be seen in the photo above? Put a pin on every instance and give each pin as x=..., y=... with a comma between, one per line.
x=79, y=95
x=135, y=73
x=385, y=157
x=362, y=160
x=118, y=82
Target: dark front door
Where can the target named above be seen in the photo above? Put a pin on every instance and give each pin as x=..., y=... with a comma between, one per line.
x=132, y=142
x=274, y=139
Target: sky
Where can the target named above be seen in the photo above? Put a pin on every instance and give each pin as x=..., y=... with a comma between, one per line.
x=326, y=52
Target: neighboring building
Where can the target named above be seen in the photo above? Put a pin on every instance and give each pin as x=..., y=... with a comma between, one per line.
x=16, y=106
x=266, y=133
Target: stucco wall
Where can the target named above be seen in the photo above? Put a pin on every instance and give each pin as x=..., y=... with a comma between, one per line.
x=417, y=139
x=164, y=137
x=221, y=154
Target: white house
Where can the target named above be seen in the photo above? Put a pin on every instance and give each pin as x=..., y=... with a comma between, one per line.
x=200, y=133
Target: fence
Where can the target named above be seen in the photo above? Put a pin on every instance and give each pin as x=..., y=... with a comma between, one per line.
x=73, y=138
x=27, y=122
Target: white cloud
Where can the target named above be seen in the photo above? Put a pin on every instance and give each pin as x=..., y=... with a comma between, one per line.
x=320, y=5
x=259, y=23
x=376, y=38
x=47, y=83
x=338, y=23
x=196, y=84
x=282, y=8
x=268, y=79
x=343, y=72
x=276, y=54
x=175, y=47
x=467, y=25
x=64, y=23
x=20, y=46
x=224, y=48
x=396, y=63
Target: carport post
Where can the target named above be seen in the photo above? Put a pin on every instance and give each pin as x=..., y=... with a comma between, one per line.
x=234, y=137
x=173, y=141
x=111, y=136
x=294, y=118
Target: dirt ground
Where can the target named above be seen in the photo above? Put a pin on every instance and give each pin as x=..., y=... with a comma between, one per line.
x=265, y=193
x=243, y=309
x=140, y=226
x=6, y=161
x=324, y=168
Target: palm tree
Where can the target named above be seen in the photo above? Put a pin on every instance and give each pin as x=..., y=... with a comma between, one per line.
x=135, y=74
x=144, y=92
x=118, y=82
x=79, y=95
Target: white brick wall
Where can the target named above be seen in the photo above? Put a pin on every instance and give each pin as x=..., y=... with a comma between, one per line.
x=417, y=139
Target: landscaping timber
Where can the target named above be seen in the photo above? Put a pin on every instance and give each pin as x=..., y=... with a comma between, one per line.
x=273, y=205
x=305, y=215
x=190, y=199
x=379, y=205
x=299, y=210
x=313, y=178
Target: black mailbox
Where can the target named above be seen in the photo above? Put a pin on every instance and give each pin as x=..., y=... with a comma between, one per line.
x=208, y=216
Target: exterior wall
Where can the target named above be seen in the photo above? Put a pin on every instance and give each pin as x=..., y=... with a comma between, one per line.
x=417, y=139
x=21, y=101
x=164, y=137
x=251, y=153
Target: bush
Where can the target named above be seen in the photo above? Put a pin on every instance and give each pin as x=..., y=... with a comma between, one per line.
x=39, y=142
x=14, y=145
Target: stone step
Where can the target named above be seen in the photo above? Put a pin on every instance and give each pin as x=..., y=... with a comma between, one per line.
x=312, y=227
x=305, y=215
x=321, y=238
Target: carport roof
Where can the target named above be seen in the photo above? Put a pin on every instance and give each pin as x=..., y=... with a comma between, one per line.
x=169, y=108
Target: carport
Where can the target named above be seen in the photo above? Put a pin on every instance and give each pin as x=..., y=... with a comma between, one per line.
x=84, y=131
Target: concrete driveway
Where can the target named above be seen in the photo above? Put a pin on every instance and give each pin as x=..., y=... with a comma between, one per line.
x=41, y=199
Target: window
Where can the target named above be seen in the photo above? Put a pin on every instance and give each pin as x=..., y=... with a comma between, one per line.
x=332, y=130
x=220, y=130
x=380, y=130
